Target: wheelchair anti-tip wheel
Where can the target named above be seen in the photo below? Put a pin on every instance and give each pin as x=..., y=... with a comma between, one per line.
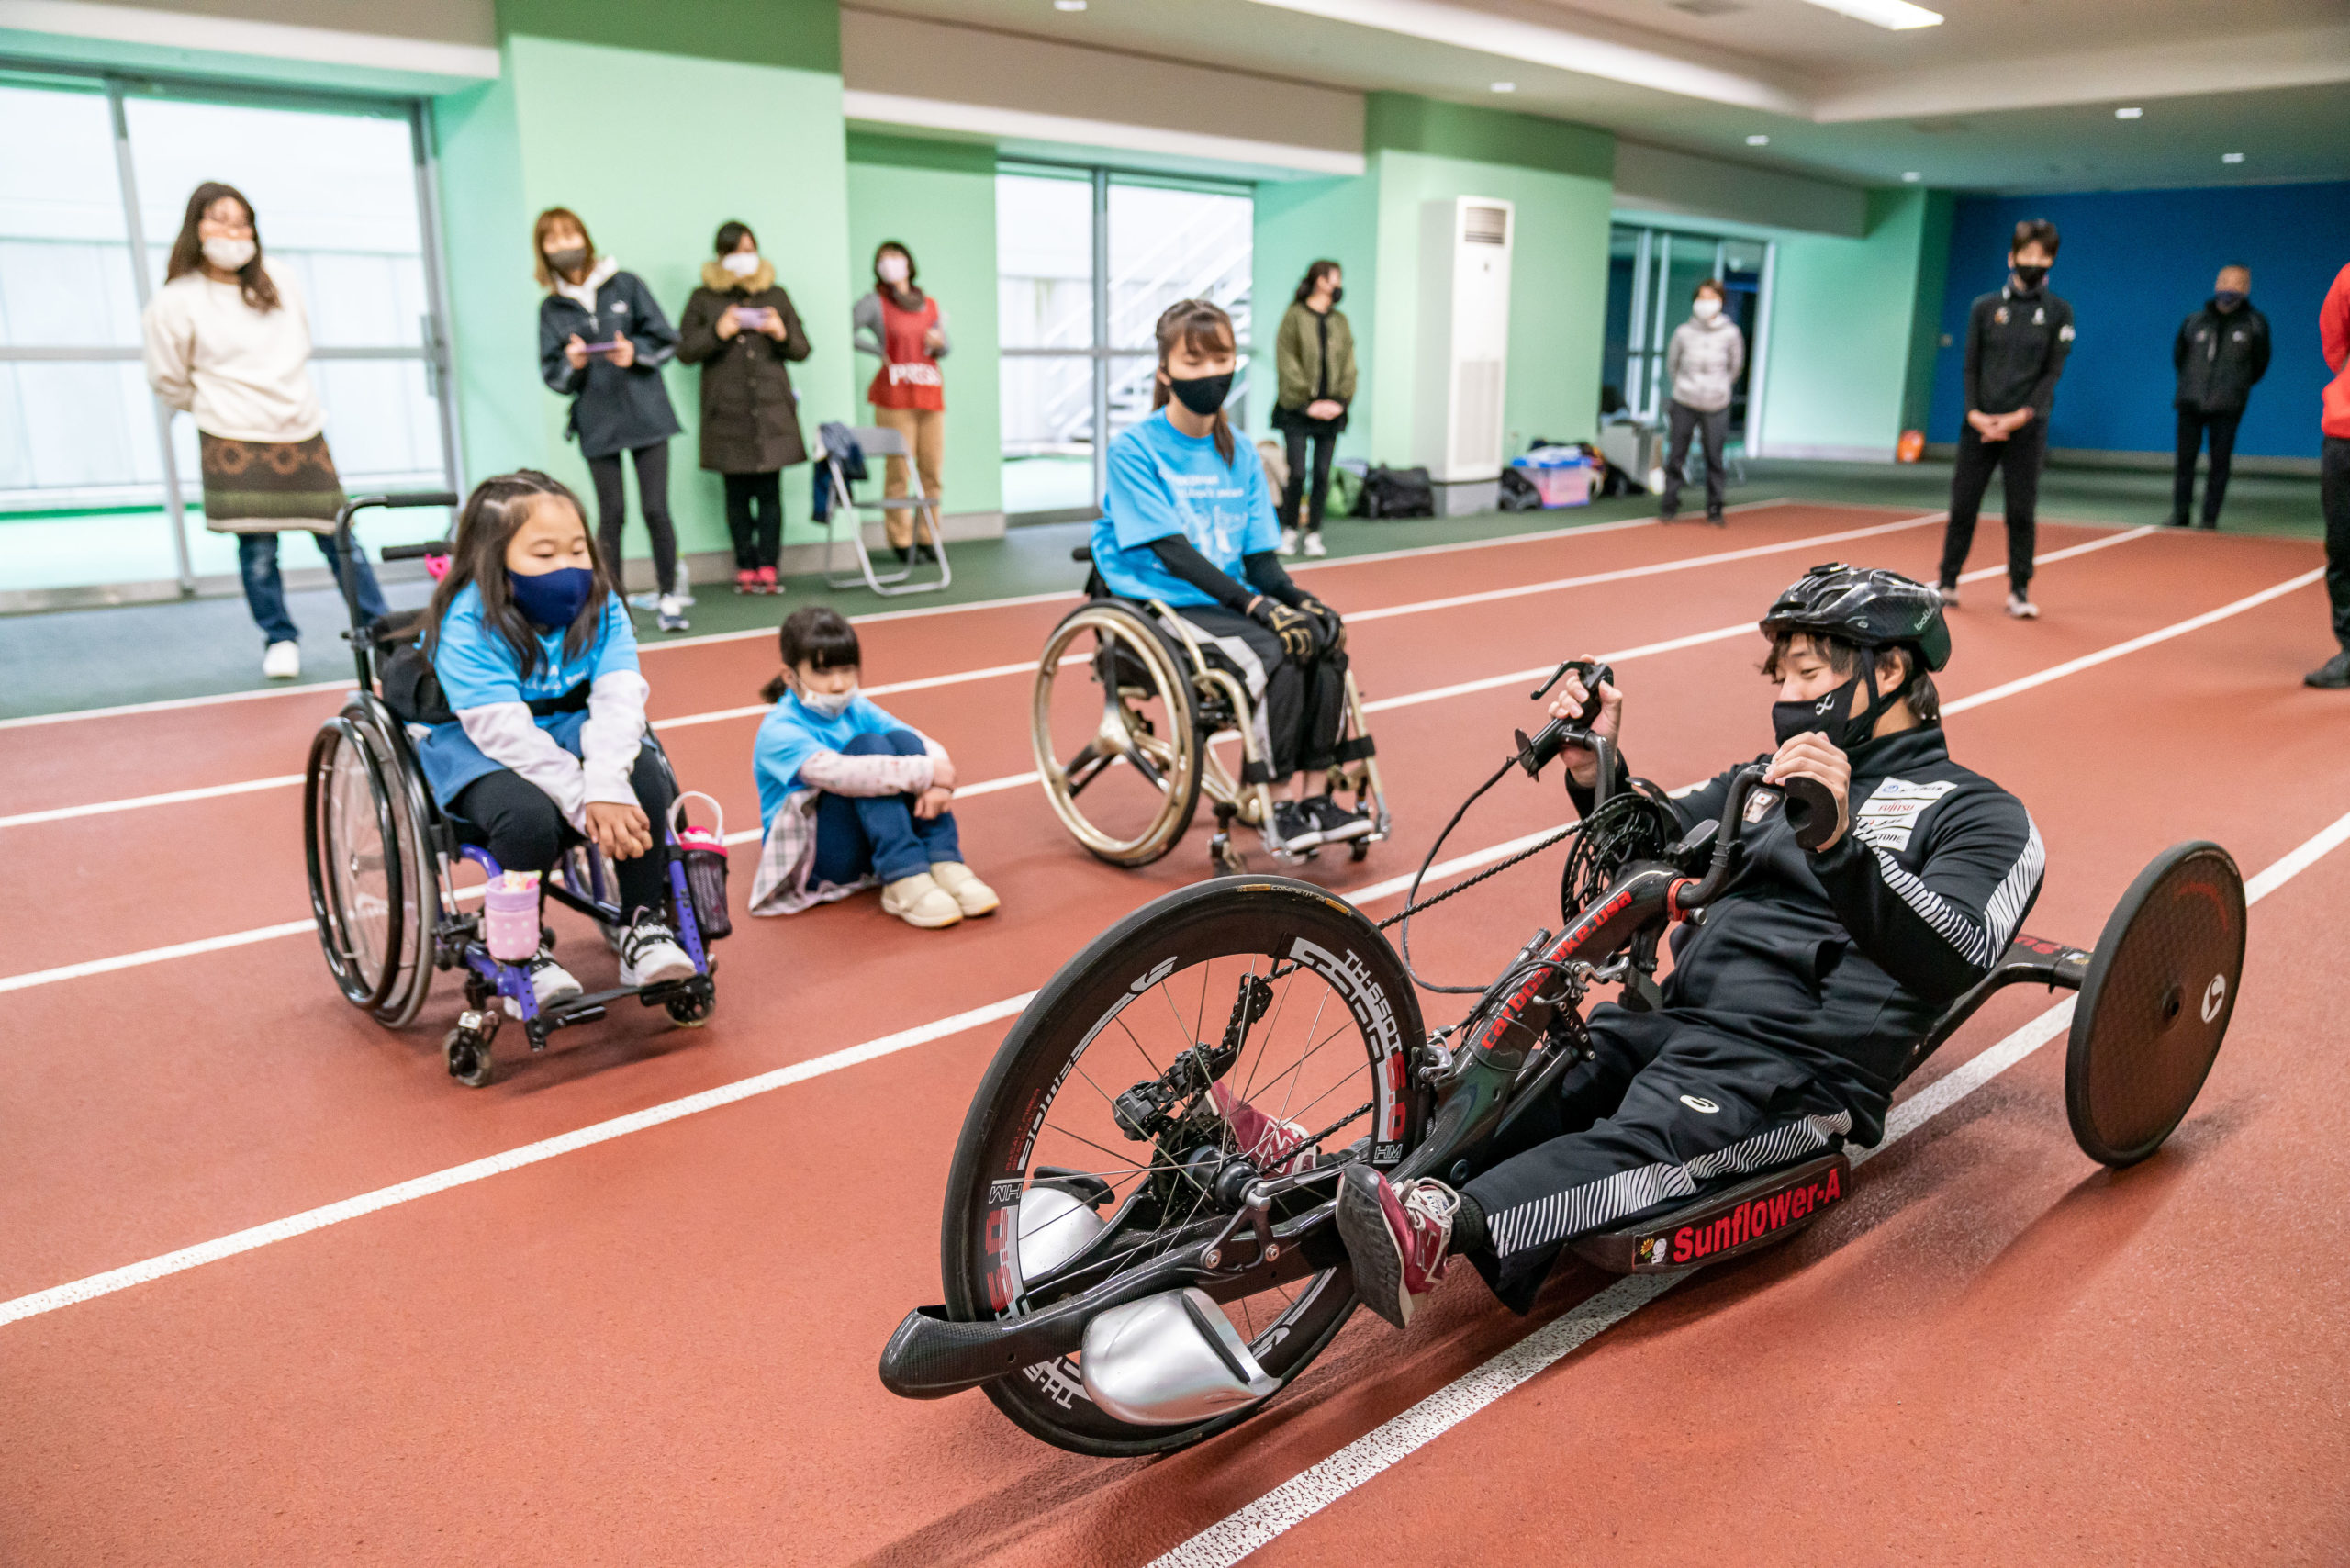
x=2155, y=1004
x=1123, y=716
x=372, y=883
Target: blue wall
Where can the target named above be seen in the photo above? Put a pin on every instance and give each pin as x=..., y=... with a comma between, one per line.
x=2133, y=263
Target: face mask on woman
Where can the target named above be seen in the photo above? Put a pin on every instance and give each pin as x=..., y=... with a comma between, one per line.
x=229, y=255
x=1203, y=395
x=892, y=269
x=827, y=704
x=568, y=260
x=1706, y=309
x=742, y=264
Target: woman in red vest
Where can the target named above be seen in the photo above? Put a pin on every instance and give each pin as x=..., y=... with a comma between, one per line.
x=906, y=330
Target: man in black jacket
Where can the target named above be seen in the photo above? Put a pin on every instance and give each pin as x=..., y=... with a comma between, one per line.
x=2016, y=344
x=1789, y=1013
x=2221, y=351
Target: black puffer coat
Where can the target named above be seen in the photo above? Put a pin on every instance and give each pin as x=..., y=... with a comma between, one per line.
x=612, y=409
x=2219, y=355
x=750, y=419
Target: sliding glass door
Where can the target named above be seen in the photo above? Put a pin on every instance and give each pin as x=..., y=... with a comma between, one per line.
x=1653, y=274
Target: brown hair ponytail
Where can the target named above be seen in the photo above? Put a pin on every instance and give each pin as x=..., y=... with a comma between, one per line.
x=1203, y=329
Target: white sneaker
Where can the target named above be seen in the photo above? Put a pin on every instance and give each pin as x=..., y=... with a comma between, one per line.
x=2021, y=607
x=650, y=954
x=919, y=901
x=1315, y=548
x=1289, y=541
x=972, y=896
x=283, y=661
x=551, y=983
x=672, y=613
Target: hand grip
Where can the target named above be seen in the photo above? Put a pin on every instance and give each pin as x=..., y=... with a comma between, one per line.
x=421, y=498
x=415, y=552
x=1533, y=754
x=1810, y=810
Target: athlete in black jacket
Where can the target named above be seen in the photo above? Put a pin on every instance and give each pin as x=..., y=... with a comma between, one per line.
x=1790, y=1010
x=2220, y=352
x=2016, y=344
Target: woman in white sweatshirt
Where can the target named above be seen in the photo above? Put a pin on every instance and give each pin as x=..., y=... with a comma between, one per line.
x=1701, y=365
x=228, y=341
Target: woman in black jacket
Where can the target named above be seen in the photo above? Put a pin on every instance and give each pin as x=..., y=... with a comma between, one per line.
x=602, y=341
x=740, y=328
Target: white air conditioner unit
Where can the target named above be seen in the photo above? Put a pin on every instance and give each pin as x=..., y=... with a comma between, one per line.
x=1464, y=338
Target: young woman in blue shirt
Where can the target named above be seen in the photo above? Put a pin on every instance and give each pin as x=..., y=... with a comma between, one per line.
x=1188, y=519
x=535, y=657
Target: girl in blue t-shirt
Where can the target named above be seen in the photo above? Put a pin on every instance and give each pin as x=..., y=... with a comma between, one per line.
x=535, y=655
x=848, y=795
x=1189, y=521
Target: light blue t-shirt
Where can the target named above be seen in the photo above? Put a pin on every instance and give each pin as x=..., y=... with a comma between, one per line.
x=1163, y=482
x=792, y=732
x=477, y=666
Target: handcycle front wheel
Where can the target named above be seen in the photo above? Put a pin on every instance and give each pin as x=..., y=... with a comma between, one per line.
x=1327, y=1051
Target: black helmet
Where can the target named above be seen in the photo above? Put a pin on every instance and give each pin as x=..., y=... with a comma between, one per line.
x=1864, y=605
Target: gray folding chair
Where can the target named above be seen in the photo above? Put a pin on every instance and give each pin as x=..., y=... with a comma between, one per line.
x=879, y=445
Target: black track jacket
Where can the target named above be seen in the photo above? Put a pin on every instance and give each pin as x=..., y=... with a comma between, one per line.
x=2016, y=346
x=1841, y=961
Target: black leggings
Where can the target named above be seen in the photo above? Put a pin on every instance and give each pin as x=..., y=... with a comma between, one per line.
x=754, y=517
x=652, y=500
x=526, y=832
x=1324, y=443
x=1303, y=705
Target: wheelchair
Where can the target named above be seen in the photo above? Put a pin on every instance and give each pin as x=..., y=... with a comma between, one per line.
x=382, y=857
x=1128, y=793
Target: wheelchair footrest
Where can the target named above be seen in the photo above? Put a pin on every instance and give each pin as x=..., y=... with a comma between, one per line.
x=1755, y=1213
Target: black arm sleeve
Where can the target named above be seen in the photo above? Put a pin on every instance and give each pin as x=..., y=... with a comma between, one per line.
x=1266, y=575
x=1176, y=554
x=2060, y=347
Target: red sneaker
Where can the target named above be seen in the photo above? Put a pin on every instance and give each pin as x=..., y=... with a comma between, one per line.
x=766, y=580
x=1270, y=1146
x=1395, y=1236
x=746, y=581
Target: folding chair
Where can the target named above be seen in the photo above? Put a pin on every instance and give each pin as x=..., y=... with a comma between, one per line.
x=881, y=442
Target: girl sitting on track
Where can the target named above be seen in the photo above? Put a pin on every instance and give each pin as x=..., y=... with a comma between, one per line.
x=535, y=657
x=1188, y=522
x=850, y=796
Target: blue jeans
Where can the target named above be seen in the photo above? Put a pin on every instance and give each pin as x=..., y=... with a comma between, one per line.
x=881, y=833
x=265, y=590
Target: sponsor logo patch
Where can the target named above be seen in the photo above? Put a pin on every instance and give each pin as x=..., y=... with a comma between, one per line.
x=1888, y=818
x=1751, y=1221
x=1700, y=1103
x=2214, y=996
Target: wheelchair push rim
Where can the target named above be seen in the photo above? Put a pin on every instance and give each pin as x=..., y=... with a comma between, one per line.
x=1159, y=752
x=2155, y=1004
x=370, y=885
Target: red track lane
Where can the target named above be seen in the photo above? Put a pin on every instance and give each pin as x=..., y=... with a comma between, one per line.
x=252, y=1122
x=664, y=1345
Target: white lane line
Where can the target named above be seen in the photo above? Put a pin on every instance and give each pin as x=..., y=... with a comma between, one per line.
x=153, y=955
x=1254, y=1525
x=991, y=672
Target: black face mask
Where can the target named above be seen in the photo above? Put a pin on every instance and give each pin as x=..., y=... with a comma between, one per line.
x=1335, y=294
x=2030, y=277
x=568, y=260
x=1849, y=733
x=2227, y=299
x=1203, y=395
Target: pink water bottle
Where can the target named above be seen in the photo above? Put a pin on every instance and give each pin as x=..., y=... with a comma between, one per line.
x=511, y=917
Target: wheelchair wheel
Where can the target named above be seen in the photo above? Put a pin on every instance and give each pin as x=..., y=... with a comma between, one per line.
x=372, y=891
x=2155, y=1004
x=1131, y=781
x=1325, y=1050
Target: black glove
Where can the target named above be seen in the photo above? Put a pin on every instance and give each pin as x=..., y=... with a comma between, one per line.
x=1293, y=627
x=1333, y=630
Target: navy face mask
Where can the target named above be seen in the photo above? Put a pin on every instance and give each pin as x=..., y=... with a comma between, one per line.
x=2227, y=299
x=552, y=600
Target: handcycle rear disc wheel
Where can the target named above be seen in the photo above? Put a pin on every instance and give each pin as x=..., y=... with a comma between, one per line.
x=1328, y=1053
x=2155, y=1004
x=1142, y=762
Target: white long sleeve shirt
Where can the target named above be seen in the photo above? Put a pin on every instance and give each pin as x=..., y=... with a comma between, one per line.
x=243, y=374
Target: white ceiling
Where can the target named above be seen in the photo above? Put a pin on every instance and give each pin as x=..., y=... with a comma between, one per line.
x=2006, y=95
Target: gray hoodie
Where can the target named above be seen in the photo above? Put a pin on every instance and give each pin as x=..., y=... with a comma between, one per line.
x=1702, y=362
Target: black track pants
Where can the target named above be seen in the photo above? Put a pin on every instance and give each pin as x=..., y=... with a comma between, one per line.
x=1712, y=428
x=2333, y=497
x=2192, y=423
x=754, y=517
x=1316, y=492
x=1301, y=707
x=523, y=828
x=652, y=500
x=1667, y=1110
x=2019, y=457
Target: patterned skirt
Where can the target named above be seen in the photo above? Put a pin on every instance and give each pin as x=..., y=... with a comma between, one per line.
x=262, y=486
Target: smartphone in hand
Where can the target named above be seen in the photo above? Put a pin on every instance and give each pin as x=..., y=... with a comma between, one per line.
x=605, y=347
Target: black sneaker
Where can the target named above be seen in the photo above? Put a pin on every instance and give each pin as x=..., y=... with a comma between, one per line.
x=1337, y=823
x=2331, y=676
x=1294, y=827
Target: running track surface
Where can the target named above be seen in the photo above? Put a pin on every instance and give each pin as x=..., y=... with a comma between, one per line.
x=661, y=1348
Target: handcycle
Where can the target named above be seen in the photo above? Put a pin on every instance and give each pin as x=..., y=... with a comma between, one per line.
x=1123, y=1280
x=1129, y=793
x=383, y=855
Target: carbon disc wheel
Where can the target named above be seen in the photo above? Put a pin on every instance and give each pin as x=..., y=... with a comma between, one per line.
x=1326, y=1052
x=2155, y=1004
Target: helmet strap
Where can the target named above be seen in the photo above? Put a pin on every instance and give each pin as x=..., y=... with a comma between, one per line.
x=1861, y=728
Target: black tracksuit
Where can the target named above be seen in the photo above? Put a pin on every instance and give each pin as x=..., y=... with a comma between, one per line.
x=615, y=410
x=2016, y=344
x=1300, y=705
x=2219, y=355
x=1788, y=1013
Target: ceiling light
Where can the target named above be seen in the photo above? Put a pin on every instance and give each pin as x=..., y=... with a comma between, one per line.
x=2129, y=114
x=1898, y=14
x=1069, y=5
x=1758, y=139
x=1505, y=87
x=1911, y=177
x=2231, y=157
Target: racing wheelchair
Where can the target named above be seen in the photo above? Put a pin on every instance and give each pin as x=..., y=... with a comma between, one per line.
x=383, y=856
x=1122, y=1279
x=1162, y=701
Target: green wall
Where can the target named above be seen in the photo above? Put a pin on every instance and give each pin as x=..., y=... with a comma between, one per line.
x=1298, y=222
x=1843, y=323
x=937, y=199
